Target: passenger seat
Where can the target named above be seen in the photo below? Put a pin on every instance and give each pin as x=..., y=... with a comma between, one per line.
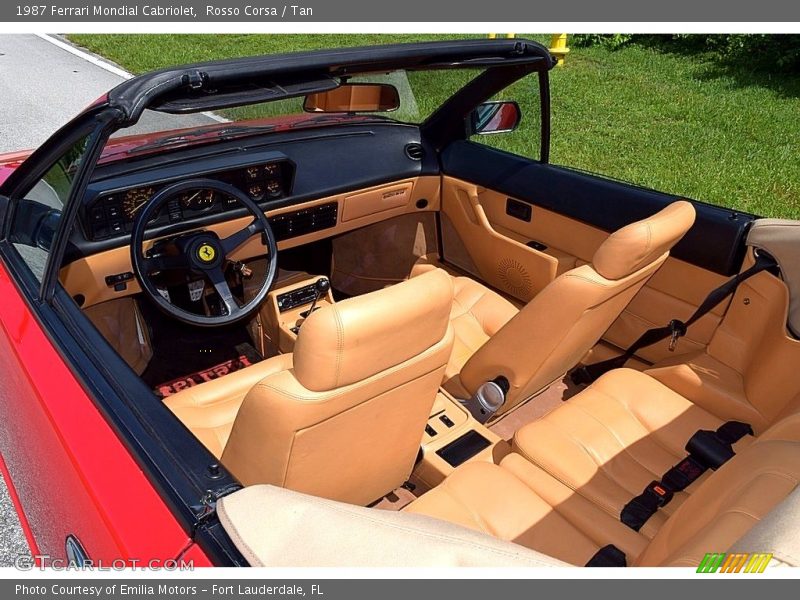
x=562, y=491
x=530, y=348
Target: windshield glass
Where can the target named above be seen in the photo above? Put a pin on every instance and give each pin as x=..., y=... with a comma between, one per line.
x=420, y=92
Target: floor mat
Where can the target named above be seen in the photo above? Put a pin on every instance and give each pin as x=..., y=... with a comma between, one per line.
x=185, y=352
x=185, y=381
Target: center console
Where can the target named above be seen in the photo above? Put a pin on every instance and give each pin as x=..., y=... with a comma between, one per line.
x=288, y=307
x=452, y=437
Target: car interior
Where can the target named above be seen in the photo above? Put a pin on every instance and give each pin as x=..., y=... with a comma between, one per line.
x=377, y=335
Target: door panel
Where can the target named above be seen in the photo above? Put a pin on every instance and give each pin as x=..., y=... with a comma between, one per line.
x=570, y=242
x=715, y=243
x=674, y=291
x=500, y=260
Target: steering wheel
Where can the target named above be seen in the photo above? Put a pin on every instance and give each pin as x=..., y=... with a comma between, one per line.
x=201, y=253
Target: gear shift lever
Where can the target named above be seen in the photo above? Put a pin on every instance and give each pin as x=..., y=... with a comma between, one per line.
x=321, y=287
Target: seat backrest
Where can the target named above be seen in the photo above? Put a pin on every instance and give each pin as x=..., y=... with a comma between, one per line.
x=346, y=422
x=558, y=326
x=729, y=503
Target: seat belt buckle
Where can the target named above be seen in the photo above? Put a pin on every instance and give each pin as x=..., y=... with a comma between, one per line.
x=683, y=474
x=659, y=492
x=678, y=330
x=708, y=449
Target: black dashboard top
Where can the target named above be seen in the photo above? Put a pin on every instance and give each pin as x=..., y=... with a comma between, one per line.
x=276, y=170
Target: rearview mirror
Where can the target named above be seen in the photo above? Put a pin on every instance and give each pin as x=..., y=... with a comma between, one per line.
x=355, y=97
x=494, y=117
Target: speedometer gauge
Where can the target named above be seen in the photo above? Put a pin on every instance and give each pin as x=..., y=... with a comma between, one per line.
x=134, y=200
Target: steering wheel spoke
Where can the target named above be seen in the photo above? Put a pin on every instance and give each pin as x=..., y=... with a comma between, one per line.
x=217, y=278
x=233, y=241
x=164, y=262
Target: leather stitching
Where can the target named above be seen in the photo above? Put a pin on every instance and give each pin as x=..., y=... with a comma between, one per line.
x=598, y=502
x=422, y=533
x=569, y=275
x=233, y=531
x=339, y=344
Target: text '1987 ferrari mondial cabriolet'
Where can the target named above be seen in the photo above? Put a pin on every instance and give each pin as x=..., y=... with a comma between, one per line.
x=339, y=324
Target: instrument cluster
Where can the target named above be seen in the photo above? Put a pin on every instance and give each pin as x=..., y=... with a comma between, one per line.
x=114, y=213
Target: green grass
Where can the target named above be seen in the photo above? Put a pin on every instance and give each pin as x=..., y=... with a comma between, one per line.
x=677, y=123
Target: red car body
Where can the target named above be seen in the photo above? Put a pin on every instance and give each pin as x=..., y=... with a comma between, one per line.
x=72, y=475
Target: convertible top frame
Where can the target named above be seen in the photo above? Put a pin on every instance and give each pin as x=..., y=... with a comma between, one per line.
x=220, y=84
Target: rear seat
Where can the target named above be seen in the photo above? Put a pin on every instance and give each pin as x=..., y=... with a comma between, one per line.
x=562, y=490
x=610, y=441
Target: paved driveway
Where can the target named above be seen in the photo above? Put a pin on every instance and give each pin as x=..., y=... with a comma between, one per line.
x=44, y=85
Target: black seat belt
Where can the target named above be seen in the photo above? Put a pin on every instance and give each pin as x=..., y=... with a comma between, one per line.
x=707, y=450
x=676, y=328
x=608, y=556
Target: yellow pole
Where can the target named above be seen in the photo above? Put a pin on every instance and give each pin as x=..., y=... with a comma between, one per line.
x=558, y=47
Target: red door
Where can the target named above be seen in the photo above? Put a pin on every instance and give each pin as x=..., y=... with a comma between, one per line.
x=68, y=470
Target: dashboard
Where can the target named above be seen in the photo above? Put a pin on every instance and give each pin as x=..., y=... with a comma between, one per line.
x=278, y=170
x=113, y=213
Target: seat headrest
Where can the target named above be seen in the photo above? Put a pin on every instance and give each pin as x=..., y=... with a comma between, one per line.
x=352, y=340
x=637, y=245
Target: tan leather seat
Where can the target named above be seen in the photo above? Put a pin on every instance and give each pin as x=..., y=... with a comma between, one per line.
x=572, y=521
x=478, y=313
x=611, y=440
x=550, y=334
x=343, y=417
x=209, y=409
x=490, y=498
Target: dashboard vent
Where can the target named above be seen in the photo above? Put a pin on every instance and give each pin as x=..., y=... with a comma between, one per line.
x=415, y=151
x=301, y=222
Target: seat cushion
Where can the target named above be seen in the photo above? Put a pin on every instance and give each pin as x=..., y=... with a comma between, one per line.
x=209, y=409
x=580, y=464
x=611, y=440
x=488, y=498
x=477, y=314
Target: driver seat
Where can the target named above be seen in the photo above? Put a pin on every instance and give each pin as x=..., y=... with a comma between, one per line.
x=343, y=416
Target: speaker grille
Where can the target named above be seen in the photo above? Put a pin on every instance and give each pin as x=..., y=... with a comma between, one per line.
x=515, y=278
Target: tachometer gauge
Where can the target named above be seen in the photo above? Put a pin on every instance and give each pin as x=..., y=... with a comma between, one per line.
x=134, y=200
x=274, y=188
x=256, y=192
x=198, y=199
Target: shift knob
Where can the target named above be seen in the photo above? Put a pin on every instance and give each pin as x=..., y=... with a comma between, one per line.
x=322, y=285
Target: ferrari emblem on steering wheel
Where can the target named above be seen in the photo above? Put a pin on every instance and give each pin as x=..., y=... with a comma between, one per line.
x=206, y=253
